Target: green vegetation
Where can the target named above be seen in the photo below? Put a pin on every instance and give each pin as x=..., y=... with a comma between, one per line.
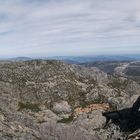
x=133, y=71
x=135, y=78
x=66, y=120
x=118, y=83
x=30, y=106
x=107, y=66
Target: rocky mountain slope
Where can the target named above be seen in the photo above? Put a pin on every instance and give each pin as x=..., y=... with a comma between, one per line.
x=129, y=69
x=50, y=100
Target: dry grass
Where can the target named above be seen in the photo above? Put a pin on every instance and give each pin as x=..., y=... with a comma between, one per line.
x=79, y=111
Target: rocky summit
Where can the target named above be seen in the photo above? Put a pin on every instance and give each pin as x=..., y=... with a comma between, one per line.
x=51, y=100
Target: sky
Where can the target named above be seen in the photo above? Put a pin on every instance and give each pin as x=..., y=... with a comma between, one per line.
x=42, y=28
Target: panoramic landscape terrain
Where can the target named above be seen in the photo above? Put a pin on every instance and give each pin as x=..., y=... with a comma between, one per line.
x=53, y=100
x=69, y=69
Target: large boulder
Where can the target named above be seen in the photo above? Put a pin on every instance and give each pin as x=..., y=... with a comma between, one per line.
x=61, y=107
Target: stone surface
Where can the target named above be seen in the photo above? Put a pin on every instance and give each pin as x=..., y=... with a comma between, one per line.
x=61, y=107
x=38, y=100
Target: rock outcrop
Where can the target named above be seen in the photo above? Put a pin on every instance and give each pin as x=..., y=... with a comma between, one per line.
x=51, y=100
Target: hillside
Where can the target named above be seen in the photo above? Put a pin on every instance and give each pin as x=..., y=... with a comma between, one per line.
x=129, y=69
x=52, y=100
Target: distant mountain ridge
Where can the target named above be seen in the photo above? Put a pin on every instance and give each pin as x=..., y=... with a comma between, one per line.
x=21, y=58
x=80, y=59
x=84, y=59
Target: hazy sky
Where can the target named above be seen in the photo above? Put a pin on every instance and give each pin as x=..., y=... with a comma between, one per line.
x=69, y=27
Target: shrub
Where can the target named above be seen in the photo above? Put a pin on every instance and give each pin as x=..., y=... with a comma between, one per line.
x=30, y=106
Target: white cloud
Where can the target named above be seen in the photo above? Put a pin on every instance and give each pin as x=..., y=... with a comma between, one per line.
x=62, y=27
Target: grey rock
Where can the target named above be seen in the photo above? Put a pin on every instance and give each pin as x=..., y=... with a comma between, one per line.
x=91, y=121
x=61, y=107
x=37, y=96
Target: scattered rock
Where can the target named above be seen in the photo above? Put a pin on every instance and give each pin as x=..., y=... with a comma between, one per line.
x=62, y=107
x=51, y=100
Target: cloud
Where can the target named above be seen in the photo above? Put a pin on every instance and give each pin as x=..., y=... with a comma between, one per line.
x=63, y=27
